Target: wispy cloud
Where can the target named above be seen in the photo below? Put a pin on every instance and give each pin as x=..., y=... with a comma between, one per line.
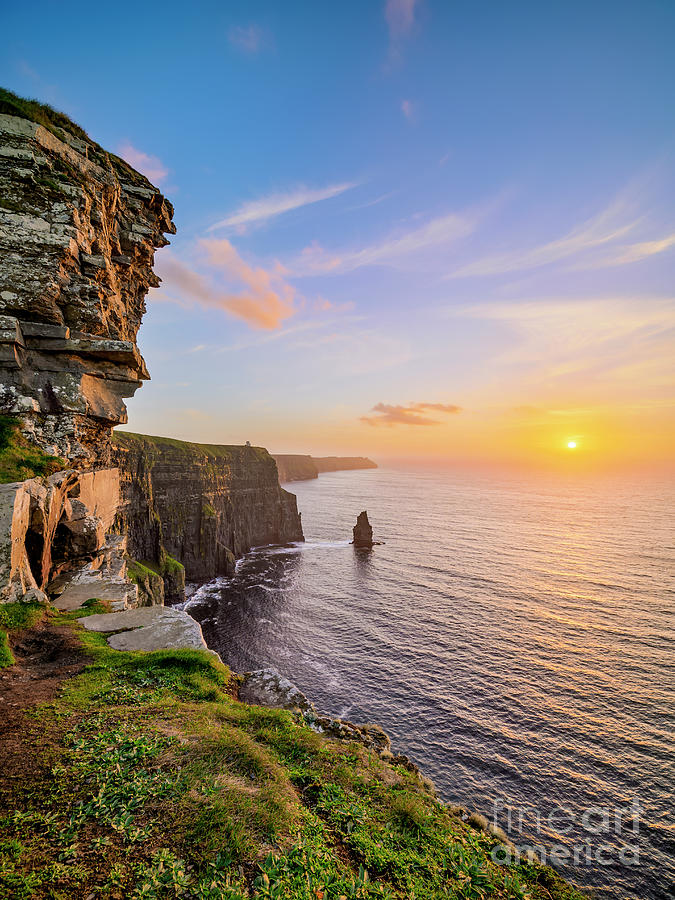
x=260, y=297
x=598, y=242
x=265, y=208
x=603, y=228
x=400, y=16
x=151, y=166
x=594, y=342
x=249, y=38
x=412, y=414
x=392, y=251
x=629, y=253
x=408, y=109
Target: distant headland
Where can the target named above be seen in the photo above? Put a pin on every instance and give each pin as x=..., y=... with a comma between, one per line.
x=298, y=467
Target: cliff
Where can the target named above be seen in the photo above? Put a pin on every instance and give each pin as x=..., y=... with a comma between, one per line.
x=78, y=232
x=342, y=463
x=203, y=504
x=296, y=467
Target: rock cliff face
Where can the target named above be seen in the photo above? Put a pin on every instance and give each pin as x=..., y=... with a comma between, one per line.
x=202, y=504
x=78, y=232
x=295, y=467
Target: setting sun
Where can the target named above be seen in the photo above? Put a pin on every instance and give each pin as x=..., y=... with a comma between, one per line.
x=571, y=445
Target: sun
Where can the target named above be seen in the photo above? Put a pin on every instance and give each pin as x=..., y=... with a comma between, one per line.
x=571, y=445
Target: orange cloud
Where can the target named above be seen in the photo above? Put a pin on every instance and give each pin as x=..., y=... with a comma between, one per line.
x=260, y=297
x=412, y=414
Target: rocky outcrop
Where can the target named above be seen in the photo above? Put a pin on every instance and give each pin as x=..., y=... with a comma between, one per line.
x=296, y=467
x=362, y=531
x=78, y=232
x=268, y=687
x=202, y=504
x=156, y=628
x=52, y=525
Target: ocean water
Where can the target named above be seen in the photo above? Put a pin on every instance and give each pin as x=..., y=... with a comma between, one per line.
x=514, y=637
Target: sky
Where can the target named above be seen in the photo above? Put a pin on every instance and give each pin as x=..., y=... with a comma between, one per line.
x=406, y=228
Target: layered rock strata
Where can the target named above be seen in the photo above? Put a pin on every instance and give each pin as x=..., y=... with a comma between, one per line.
x=78, y=232
x=203, y=505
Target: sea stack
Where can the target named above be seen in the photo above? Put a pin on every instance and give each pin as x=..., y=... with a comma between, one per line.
x=363, y=532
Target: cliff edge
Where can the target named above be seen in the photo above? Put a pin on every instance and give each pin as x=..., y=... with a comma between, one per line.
x=203, y=504
x=299, y=467
x=78, y=233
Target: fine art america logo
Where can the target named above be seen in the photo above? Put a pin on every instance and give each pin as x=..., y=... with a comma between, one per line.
x=595, y=836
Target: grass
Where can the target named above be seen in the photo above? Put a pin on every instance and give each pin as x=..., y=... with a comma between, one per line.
x=154, y=445
x=51, y=119
x=60, y=125
x=6, y=656
x=19, y=459
x=14, y=617
x=141, y=571
x=171, y=566
x=156, y=782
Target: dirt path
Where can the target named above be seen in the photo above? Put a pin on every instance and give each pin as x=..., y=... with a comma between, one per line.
x=45, y=656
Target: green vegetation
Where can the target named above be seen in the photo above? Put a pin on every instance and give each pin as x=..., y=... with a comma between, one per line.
x=141, y=572
x=51, y=119
x=151, y=444
x=6, y=656
x=14, y=617
x=19, y=459
x=171, y=566
x=60, y=125
x=156, y=783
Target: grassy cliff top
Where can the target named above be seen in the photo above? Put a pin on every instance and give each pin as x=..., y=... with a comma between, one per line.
x=145, y=777
x=51, y=119
x=152, y=444
x=59, y=124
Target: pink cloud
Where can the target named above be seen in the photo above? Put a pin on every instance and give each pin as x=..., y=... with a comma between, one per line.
x=412, y=414
x=151, y=166
x=400, y=16
x=407, y=109
x=262, y=298
x=248, y=38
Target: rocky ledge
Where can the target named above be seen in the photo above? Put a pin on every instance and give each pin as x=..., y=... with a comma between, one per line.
x=152, y=628
x=78, y=232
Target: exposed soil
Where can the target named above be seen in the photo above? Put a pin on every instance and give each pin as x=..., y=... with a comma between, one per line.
x=45, y=656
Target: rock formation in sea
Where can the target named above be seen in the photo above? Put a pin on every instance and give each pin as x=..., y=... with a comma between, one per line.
x=362, y=531
x=296, y=467
x=80, y=514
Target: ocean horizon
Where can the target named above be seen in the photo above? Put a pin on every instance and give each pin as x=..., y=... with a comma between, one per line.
x=512, y=634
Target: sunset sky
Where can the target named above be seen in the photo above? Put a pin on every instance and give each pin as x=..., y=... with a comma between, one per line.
x=405, y=229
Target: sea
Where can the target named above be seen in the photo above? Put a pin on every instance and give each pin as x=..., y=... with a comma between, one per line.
x=513, y=635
